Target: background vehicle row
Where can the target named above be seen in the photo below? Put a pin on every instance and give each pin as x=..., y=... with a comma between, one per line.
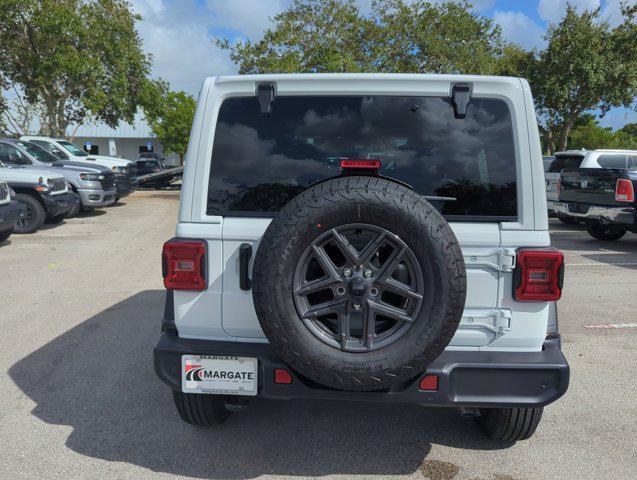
x=52, y=179
x=596, y=186
x=125, y=170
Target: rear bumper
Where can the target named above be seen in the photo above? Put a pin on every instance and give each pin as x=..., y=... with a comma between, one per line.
x=97, y=198
x=465, y=378
x=9, y=215
x=606, y=214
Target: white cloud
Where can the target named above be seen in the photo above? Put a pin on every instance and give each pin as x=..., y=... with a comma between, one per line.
x=250, y=17
x=520, y=29
x=553, y=10
x=612, y=12
x=178, y=35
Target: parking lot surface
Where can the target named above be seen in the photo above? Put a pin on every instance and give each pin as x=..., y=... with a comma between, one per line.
x=80, y=312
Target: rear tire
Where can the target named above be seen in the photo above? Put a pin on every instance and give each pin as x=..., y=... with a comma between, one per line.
x=201, y=410
x=509, y=424
x=605, y=233
x=34, y=214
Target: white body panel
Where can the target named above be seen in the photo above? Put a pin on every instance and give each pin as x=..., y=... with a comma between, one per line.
x=492, y=318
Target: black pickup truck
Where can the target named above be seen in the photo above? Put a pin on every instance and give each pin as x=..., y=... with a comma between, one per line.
x=603, y=197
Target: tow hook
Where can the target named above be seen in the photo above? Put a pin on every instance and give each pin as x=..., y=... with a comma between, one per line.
x=469, y=412
x=236, y=404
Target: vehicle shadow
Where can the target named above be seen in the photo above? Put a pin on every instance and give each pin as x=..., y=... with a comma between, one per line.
x=96, y=212
x=98, y=378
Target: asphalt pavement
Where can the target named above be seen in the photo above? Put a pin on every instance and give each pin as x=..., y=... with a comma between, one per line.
x=80, y=310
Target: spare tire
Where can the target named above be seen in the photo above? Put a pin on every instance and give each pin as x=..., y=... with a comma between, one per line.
x=359, y=283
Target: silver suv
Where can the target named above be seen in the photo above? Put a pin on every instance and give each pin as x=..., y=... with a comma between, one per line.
x=370, y=237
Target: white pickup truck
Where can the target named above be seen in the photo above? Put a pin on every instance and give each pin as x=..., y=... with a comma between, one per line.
x=125, y=170
x=371, y=237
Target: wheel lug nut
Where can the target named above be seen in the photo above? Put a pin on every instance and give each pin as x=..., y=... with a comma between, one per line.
x=367, y=273
x=347, y=272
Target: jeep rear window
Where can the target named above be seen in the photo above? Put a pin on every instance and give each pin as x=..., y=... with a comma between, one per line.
x=261, y=160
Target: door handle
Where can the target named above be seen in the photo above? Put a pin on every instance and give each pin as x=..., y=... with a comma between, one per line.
x=245, y=253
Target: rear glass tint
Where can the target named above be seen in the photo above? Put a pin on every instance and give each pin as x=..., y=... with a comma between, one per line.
x=565, y=161
x=260, y=161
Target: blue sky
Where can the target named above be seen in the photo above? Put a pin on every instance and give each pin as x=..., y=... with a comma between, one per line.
x=179, y=33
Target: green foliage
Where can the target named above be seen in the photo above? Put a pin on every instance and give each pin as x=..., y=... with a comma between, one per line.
x=171, y=119
x=586, y=66
x=590, y=135
x=398, y=36
x=78, y=58
x=630, y=129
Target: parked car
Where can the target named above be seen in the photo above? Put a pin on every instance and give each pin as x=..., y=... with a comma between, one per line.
x=364, y=237
x=547, y=161
x=42, y=195
x=153, y=165
x=562, y=160
x=125, y=171
x=150, y=156
x=9, y=211
x=94, y=184
x=603, y=196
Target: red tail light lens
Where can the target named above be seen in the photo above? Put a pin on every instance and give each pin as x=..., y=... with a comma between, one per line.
x=539, y=275
x=428, y=383
x=282, y=377
x=361, y=163
x=624, y=191
x=184, y=265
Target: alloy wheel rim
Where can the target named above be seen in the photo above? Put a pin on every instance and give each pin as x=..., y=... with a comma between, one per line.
x=358, y=287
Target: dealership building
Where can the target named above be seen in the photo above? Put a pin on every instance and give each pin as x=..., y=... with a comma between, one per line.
x=126, y=141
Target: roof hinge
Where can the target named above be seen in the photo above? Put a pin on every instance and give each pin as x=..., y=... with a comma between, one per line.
x=460, y=96
x=266, y=93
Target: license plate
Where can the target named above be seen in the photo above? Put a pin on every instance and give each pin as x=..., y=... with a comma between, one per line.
x=219, y=375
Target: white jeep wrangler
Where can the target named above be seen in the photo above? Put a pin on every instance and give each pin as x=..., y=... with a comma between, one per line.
x=372, y=237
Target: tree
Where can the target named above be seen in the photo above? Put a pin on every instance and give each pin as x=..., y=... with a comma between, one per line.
x=18, y=115
x=587, y=133
x=171, y=120
x=78, y=58
x=587, y=66
x=398, y=36
x=630, y=129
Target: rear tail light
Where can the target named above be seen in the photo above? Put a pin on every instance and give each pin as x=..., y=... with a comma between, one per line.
x=428, y=383
x=624, y=191
x=282, y=377
x=538, y=275
x=361, y=163
x=183, y=265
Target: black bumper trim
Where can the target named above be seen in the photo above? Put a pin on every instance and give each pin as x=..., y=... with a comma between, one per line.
x=9, y=215
x=465, y=378
x=60, y=203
